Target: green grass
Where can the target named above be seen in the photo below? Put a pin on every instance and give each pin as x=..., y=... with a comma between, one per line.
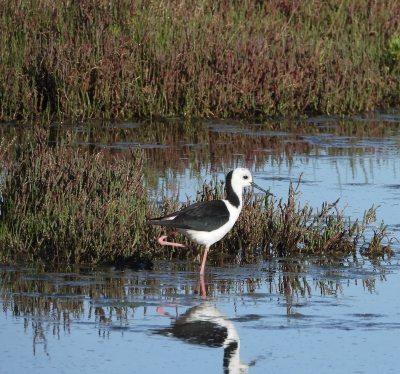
x=102, y=59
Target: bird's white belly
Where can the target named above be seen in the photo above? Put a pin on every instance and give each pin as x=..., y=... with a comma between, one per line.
x=207, y=238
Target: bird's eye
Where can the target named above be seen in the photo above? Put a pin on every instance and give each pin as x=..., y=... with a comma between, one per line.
x=245, y=177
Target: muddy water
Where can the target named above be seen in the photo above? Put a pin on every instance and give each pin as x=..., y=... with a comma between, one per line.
x=300, y=315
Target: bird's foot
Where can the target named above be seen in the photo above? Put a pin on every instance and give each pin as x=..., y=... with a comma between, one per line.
x=162, y=241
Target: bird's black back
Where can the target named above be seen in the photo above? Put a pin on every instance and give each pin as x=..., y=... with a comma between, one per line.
x=202, y=216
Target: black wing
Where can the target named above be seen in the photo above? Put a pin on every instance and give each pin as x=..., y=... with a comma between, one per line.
x=202, y=216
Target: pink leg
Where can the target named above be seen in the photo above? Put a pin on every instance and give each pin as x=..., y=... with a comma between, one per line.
x=192, y=247
x=161, y=311
x=203, y=264
x=203, y=287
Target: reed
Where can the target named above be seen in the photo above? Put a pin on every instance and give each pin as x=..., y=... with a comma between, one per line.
x=100, y=59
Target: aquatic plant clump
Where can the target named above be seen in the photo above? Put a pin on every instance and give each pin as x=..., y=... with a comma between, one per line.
x=119, y=59
x=289, y=229
x=267, y=227
x=63, y=204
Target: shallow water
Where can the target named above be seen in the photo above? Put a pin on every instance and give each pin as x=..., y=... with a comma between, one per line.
x=274, y=316
x=304, y=315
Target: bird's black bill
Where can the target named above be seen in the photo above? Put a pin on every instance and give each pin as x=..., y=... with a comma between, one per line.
x=261, y=189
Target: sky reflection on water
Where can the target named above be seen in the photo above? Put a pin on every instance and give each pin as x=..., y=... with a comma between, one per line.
x=285, y=315
x=303, y=316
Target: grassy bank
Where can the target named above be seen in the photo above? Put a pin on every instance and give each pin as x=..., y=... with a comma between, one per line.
x=85, y=59
x=63, y=204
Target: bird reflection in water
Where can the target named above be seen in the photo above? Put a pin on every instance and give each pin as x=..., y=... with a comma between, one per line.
x=205, y=325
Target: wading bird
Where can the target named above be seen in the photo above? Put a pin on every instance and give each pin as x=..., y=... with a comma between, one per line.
x=207, y=222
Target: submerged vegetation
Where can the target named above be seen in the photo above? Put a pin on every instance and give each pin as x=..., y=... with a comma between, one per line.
x=61, y=203
x=101, y=59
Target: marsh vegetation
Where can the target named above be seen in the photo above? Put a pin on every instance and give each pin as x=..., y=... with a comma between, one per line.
x=63, y=203
x=100, y=59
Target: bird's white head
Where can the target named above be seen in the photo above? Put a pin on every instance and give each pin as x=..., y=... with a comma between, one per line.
x=241, y=177
x=235, y=181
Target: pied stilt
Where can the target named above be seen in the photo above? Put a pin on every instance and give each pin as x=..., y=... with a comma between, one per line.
x=207, y=222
